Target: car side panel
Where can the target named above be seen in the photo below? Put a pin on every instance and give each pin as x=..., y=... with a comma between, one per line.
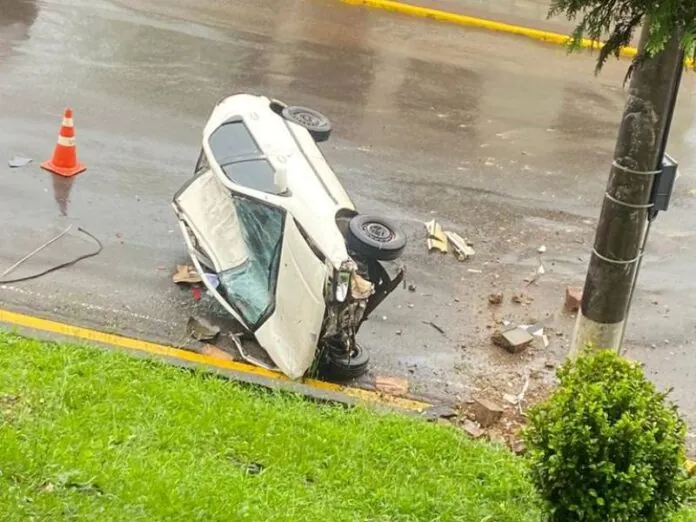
x=291, y=333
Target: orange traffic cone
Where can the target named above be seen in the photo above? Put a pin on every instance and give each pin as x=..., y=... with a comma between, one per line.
x=64, y=161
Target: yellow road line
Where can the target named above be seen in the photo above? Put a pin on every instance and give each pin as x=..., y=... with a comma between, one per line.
x=481, y=23
x=78, y=332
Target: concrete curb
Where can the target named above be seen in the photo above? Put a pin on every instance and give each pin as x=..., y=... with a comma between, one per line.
x=481, y=23
x=239, y=371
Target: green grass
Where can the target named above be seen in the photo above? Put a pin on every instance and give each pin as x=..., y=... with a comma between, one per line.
x=92, y=435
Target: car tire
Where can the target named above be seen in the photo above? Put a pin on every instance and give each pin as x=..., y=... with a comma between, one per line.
x=339, y=367
x=315, y=122
x=376, y=238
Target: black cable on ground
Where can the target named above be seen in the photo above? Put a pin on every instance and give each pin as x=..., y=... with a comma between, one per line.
x=62, y=265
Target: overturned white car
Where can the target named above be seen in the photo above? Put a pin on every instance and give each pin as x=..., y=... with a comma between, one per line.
x=284, y=249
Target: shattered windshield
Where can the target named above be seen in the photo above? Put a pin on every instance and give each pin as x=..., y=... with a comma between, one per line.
x=250, y=288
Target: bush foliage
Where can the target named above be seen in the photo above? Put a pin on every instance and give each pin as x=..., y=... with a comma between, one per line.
x=607, y=446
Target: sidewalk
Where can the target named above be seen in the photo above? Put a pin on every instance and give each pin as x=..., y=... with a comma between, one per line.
x=524, y=13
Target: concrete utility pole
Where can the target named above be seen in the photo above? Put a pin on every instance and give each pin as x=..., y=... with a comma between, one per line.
x=622, y=224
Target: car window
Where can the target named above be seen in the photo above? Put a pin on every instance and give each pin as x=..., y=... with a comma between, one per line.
x=256, y=174
x=232, y=140
x=251, y=288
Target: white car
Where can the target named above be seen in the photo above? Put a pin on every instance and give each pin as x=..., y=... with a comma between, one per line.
x=278, y=240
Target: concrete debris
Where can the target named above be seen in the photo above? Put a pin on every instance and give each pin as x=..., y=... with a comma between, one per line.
x=186, y=274
x=436, y=237
x=201, y=329
x=514, y=340
x=473, y=429
x=537, y=330
x=462, y=248
x=411, y=287
x=573, y=298
x=391, y=385
x=541, y=249
x=439, y=412
x=474, y=271
x=19, y=161
x=495, y=298
x=485, y=412
x=510, y=399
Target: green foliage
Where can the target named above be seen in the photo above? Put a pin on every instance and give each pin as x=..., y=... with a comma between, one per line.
x=618, y=19
x=606, y=446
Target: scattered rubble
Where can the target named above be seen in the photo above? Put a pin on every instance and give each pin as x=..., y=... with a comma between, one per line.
x=201, y=329
x=514, y=340
x=436, y=237
x=495, y=298
x=573, y=298
x=19, y=161
x=486, y=412
x=542, y=249
x=391, y=385
x=473, y=429
x=462, y=248
x=186, y=274
x=437, y=327
x=439, y=412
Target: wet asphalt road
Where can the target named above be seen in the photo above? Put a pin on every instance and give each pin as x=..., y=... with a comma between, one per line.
x=504, y=140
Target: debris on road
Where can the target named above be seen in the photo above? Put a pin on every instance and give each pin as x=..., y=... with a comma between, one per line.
x=19, y=161
x=438, y=328
x=473, y=429
x=462, y=248
x=540, y=271
x=514, y=340
x=495, y=298
x=186, y=274
x=201, y=329
x=196, y=293
x=573, y=298
x=436, y=237
x=441, y=411
x=391, y=385
x=485, y=412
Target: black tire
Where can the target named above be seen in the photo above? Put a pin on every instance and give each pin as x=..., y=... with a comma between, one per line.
x=376, y=238
x=338, y=366
x=315, y=122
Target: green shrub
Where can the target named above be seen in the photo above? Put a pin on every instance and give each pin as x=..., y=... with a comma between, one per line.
x=606, y=446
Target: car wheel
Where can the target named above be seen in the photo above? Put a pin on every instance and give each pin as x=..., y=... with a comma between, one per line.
x=376, y=238
x=338, y=366
x=315, y=122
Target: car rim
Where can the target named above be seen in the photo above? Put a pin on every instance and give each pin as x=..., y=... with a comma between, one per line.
x=378, y=232
x=308, y=119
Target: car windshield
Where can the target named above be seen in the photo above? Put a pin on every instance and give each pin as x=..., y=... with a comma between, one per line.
x=250, y=288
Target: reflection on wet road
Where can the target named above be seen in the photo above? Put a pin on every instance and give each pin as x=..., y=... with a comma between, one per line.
x=506, y=140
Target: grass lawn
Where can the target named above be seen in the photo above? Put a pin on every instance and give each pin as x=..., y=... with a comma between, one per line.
x=94, y=435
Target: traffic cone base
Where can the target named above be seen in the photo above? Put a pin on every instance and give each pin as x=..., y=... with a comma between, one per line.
x=63, y=171
x=64, y=161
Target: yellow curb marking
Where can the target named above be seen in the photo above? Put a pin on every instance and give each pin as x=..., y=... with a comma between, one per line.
x=470, y=21
x=87, y=334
